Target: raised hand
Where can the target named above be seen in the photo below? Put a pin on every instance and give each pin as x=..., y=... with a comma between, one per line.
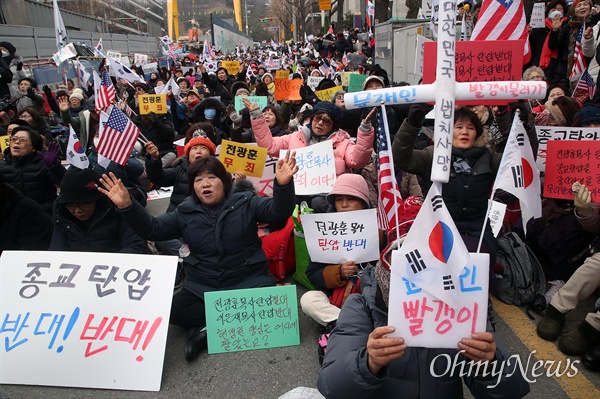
x=382, y=350
x=583, y=200
x=152, y=150
x=369, y=115
x=50, y=157
x=115, y=190
x=63, y=103
x=250, y=105
x=286, y=168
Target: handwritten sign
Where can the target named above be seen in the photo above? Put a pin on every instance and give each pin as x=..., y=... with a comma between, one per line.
x=356, y=81
x=342, y=236
x=346, y=77
x=282, y=74
x=316, y=168
x=325, y=95
x=233, y=67
x=420, y=53
x=156, y=103
x=286, y=88
x=103, y=317
x=547, y=133
x=140, y=59
x=538, y=15
x=570, y=161
x=256, y=318
x=238, y=157
x=496, y=216
x=262, y=101
x=426, y=321
x=264, y=183
x=313, y=81
x=115, y=55
x=4, y=142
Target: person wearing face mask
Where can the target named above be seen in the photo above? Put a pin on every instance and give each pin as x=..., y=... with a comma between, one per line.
x=213, y=111
x=86, y=221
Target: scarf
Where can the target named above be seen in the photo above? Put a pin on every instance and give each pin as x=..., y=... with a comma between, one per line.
x=548, y=54
x=462, y=160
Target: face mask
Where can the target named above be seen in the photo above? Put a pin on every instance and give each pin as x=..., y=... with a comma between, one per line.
x=5, y=54
x=96, y=141
x=210, y=113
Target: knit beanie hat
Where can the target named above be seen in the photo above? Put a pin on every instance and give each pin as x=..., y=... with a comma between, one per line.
x=350, y=184
x=269, y=75
x=77, y=93
x=563, y=109
x=79, y=186
x=589, y=114
x=9, y=47
x=200, y=141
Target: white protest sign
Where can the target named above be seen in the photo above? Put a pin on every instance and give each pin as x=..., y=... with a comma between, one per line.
x=538, y=15
x=264, y=184
x=426, y=321
x=115, y=55
x=316, y=168
x=140, y=59
x=65, y=53
x=338, y=237
x=93, y=320
x=420, y=52
x=313, y=81
x=546, y=133
x=150, y=67
x=496, y=216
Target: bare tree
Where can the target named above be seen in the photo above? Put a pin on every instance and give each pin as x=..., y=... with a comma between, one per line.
x=285, y=10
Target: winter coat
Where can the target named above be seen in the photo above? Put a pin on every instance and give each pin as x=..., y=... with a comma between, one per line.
x=220, y=88
x=465, y=195
x=161, y=132
x=106, y=231
x=226, y=253
x=6, y=77
x=346, y=153
x=30, y=175
x=23, y=224
x=345, y=373
x=176, y=176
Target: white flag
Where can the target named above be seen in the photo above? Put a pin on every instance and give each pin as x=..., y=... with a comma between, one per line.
x=518, y=174
x=171, y=85
x=99, y=49
x=122, y=72
x=433, y=255
x=59, y=28
x=75, y=152
x=84, y=75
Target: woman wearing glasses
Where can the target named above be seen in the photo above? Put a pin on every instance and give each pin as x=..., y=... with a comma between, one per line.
x=323, y=125
x=29, y=170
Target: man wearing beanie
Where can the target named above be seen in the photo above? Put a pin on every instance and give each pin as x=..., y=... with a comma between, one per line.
x=86, y=221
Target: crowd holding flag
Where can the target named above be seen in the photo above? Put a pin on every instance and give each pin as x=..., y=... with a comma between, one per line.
x=585, y=89
x=118, y=136
x=123, y=72
x=104, y=89
x=75, y=152
x=503, y=20
x=578, y=59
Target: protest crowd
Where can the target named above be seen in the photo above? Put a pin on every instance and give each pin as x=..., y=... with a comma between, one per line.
x=81, y=158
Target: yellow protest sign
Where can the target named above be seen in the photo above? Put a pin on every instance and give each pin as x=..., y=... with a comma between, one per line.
x=325, y=95
x=233, y=67
x=244, y=158
x=4, y=142
x=282, y=74
x=156, y=103
x=324, y=5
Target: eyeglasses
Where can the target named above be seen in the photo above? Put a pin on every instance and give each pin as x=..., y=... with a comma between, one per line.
x=21, y=139
x=25, y=116
x=322, y=118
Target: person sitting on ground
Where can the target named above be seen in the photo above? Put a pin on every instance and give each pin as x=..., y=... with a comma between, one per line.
x=219, y=224
x=86, y=221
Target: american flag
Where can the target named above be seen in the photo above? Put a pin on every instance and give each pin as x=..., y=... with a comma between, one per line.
x=503, y=20
x=118, y=137
x=585, y=89
x=389, y=193
x=578, y=59
x=106, y=91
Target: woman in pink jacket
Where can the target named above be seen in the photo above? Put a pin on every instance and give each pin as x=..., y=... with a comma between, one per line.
x=323, y=125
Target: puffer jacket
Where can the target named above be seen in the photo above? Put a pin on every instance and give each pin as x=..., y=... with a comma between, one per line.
x=224, y=254
x=176, y=176
x=33, y=178
x=345, y=373
x=346, y=153
x=106, y=231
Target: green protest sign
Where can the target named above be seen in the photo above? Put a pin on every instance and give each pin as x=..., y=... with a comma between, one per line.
x=355, y=83
x=254, y=318
x=260, y=100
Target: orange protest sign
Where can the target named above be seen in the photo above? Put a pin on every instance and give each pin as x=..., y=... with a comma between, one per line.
x=295, y=85
x=245, y=158
x=282, y=89
x=156, y=103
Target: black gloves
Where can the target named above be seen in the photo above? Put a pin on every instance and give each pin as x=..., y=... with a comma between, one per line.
x=19, y=66
x=523, y=112
x=30, y=93
x=47, y=91
x=417, y=113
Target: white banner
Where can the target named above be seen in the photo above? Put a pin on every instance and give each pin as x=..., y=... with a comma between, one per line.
x=338, y=237
x=316, y=168
x=140, y=59
x=426, y=321
x=150, y=67
x=93, y=320
x=313, y=81
x=546, y=133
x=538, y=15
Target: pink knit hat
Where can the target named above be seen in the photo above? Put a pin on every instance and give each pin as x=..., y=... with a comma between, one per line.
x=350, y=184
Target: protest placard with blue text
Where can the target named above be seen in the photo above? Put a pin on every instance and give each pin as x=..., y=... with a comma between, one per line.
x=316, y=168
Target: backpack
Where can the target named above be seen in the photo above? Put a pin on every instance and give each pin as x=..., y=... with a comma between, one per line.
x=522, y=280
x=279, y=250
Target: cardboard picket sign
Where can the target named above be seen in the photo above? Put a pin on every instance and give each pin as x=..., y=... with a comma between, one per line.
x=246, y=158
x=233, y=67
x=355, y=83
x=282, y=74
x=262, y=101
x=538, y=15
x=547, y=133
x=288, y=89
x=250, y=319
x=338, y=237
x=102, y=317
x=316, y=168
x=569, y=161
x=156, y=103
x=140, y=59
x=325, y=95
x=264, y=183
x=346, y=78
x=313, y=81
x=425, y=321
